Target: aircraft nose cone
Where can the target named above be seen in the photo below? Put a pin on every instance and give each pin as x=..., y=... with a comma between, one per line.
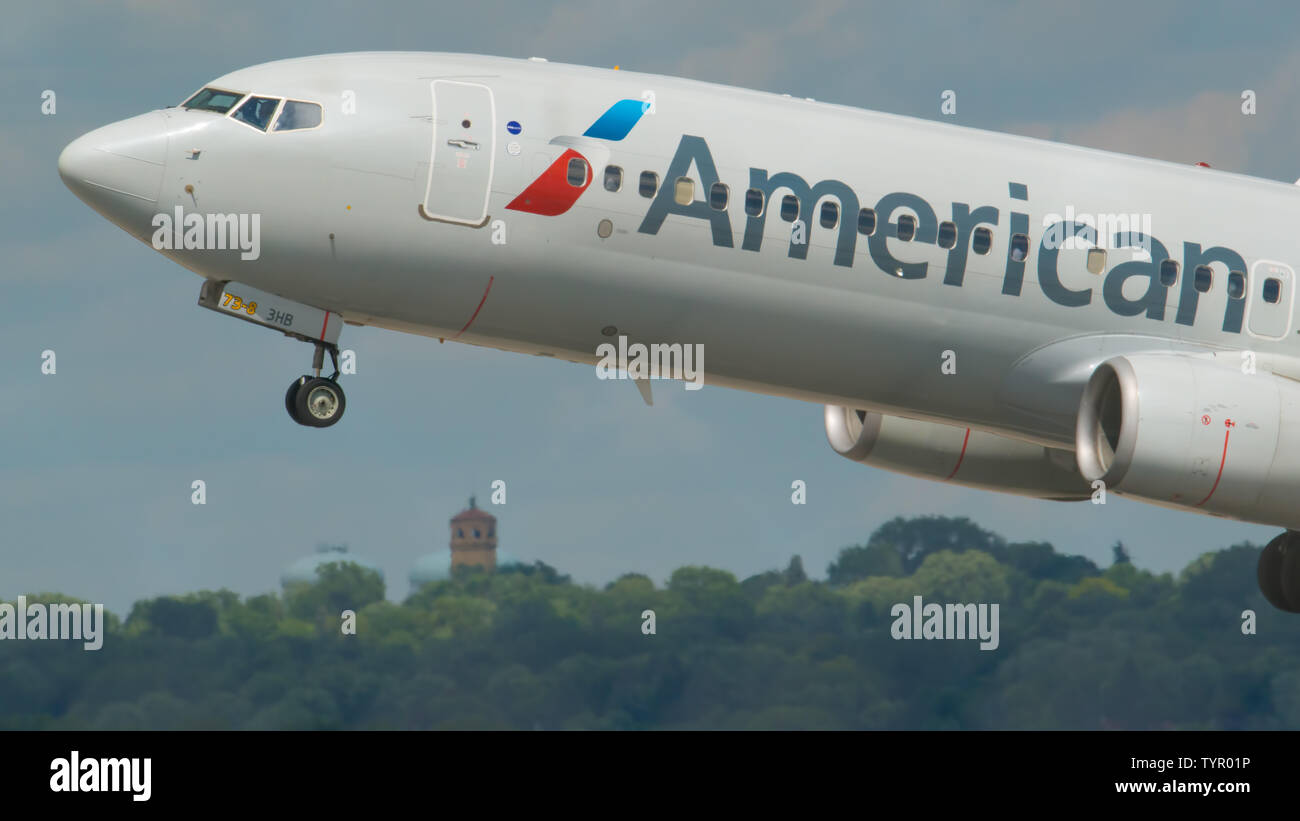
x=118, y=169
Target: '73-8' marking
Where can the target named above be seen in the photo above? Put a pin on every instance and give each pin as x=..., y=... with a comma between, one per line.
x=272, y=317
x=234, y=303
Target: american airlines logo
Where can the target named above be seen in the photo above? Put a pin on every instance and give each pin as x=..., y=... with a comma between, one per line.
x=1147, y=297
x=1131, y=287
x=552, y=193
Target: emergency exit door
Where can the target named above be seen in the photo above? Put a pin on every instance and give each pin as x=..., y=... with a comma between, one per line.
x=464, y=142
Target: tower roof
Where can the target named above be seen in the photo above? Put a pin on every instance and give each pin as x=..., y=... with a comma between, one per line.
x=472, y=513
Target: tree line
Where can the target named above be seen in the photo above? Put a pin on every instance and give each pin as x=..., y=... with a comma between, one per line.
x=1081, y=647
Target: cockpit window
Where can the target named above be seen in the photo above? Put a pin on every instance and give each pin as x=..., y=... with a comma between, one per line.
x=257, y=112
x=297, y=114
x=213, y=99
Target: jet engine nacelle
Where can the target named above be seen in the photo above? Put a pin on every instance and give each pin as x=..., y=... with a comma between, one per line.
x=958, y=455
x=1195, y=434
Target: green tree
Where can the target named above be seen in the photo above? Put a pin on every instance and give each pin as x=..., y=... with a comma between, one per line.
x=170, y=616
x=1080, y=648
x=916, y=538
x=1120, y=554
x=1039, y=560
x=339, y=586
x=794, y=571
x=859, y=562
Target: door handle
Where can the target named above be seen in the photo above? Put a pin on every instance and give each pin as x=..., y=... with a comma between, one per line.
x=458, y=143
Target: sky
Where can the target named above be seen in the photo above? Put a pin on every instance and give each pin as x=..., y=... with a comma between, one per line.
x=152, y=392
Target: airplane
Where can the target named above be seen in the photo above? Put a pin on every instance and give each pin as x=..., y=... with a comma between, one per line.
x=987, y=310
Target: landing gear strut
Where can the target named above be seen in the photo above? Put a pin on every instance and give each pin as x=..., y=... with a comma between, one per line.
x=313, y=401
x=1279, y=572
x=316, y=401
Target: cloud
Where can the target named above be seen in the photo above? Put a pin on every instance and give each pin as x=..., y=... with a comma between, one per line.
x=1207, y=126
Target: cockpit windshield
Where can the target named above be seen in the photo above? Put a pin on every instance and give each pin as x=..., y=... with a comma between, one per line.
x=257, y=111
x=213, y=99
x=298, y=115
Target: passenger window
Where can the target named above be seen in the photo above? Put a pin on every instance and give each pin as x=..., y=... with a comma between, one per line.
x=684, y=191
x=1204, y=278
x=297, y=115
x=830, y=216
x=789, y=208
x=613, y=178
x=981, y=240
x=257, y=112
x=753, y=202
x=1272, y=290
x=1096, y=260
x=649, y=184
x=906, y=227
x=867, y=221
x=1019, y=247
x=947, y=234
x=1168, y=272
x=718, y=196
x=1236, y=285
x=577, y=172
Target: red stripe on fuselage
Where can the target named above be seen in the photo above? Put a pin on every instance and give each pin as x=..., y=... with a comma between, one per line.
x=1222, y=461
x=479, y=308
x=957, y=466
x=550, y=194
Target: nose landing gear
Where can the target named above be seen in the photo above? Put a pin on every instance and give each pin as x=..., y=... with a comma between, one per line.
x=1279, y=572
x=317, y=401
x=312, y=400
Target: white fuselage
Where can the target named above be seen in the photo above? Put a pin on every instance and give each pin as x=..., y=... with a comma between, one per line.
x=343, y=227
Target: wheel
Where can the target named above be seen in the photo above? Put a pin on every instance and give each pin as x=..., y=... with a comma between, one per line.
x=289, y=397
x=1278, y=561
x=319, y=402
x=1290, y=572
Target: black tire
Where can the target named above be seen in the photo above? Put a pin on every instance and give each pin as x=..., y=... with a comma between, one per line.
x=319, y=402
x=290, y=396
x=1272, y=571
x=1289, y=575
